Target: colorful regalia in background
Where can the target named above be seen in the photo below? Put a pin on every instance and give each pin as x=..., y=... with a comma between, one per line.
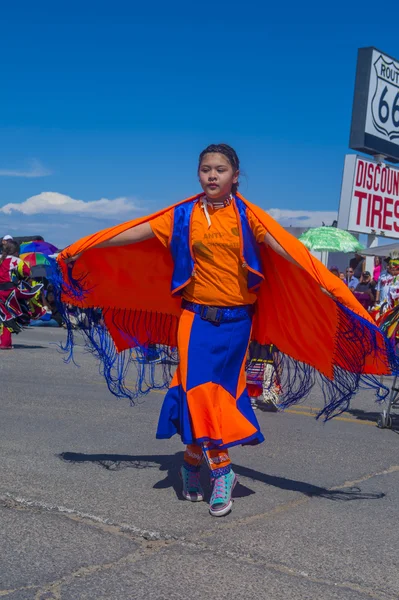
x=20, y=301
x=263, y=378
x=387, y=313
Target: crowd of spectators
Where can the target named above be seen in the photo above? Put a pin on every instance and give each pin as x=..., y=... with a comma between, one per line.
x=368, y=288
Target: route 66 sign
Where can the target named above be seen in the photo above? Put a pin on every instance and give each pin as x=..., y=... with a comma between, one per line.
x=385, y=101
x=375, y=114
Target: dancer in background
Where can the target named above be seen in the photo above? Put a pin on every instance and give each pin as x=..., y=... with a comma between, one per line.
x=208, y=275
x=14, y=293
x=377, y=268
x=262, y=377
x=388, y=315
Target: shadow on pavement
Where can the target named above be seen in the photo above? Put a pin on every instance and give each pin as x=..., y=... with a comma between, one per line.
x=170, y=464
x=27, y=346
x=364, y=415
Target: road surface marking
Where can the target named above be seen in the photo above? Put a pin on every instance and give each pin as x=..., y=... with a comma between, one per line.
x=302, y=409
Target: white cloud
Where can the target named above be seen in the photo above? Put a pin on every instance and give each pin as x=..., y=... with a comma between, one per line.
x=55, y=203
x=302, y=218
x=36, y=170
x=50, y=209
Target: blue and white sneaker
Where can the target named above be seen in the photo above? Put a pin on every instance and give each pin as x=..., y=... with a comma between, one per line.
x=192, y=489
x=221, y=501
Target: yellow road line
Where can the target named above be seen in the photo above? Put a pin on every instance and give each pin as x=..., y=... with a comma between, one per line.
x=347, y=419
x=303, y=410
x=310, y=411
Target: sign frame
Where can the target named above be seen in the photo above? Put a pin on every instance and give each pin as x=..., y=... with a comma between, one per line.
x=361, y=139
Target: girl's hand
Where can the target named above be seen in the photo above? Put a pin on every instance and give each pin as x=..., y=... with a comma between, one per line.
x=327, y=292
x=71, y=259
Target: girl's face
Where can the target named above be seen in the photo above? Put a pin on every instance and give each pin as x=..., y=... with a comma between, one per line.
x=217, y=176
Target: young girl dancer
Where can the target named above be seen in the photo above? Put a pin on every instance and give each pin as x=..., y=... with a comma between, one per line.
x=207, y=275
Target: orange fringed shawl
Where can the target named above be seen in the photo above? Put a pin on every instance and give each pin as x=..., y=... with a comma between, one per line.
x=292, y=310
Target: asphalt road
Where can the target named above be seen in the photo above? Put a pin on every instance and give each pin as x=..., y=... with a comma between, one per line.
x=90, y=503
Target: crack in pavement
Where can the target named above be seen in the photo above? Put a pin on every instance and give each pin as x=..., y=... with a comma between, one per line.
x=388, y=471
x=19, y=503
x=9, y=500
x=54, y=587
x=284, y=507
x=154, y=541
x=285, y=570
x=4, y=593
x=52, y=590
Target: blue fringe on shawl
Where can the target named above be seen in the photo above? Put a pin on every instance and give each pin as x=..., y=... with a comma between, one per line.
x=154, y=363
x=297, y=379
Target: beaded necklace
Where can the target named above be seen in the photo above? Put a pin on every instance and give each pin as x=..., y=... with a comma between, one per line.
x=205, y=202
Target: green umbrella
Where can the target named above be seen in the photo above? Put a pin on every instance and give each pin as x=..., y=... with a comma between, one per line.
x=330, y=239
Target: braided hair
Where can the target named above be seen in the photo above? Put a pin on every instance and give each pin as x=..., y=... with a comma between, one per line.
x=229, y=153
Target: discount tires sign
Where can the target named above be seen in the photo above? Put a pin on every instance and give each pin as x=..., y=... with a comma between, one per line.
x=375, y=114
x=369, y=197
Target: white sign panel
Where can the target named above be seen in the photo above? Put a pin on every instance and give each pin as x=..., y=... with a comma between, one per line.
x=375, y=115
x=369, y=197
x=383, y=109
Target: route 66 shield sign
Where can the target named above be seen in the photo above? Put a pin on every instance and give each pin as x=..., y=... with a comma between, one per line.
x=385, y=100
x=375, y=113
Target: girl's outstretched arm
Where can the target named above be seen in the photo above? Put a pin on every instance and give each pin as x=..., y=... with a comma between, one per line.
x=274, y=245
x=139, y=233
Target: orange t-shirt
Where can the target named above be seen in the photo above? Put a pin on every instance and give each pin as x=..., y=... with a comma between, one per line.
x=220, y=279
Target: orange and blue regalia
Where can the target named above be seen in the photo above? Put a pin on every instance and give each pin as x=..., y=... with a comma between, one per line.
x=207, y=285
x=207, y=402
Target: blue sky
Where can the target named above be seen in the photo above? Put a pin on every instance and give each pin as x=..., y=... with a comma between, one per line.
x=104, y=108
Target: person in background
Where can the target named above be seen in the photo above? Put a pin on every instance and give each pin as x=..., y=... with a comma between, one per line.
x=357, y=264
x=6, y=238
x=351, y=280
x=11, y=269
x=263, y=376
x=51, y=303
x=364, y=291
x=334, y=270
x=53, y=317
x=384, y=281
x=377, y=268
x=342, y=276
x=387, y=316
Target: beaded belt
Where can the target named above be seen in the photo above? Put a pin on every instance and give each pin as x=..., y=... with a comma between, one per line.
x=219, y=314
